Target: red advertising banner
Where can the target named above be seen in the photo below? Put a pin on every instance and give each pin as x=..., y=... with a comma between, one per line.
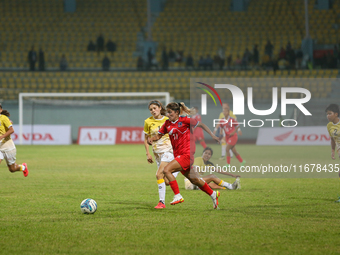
x=110, y=135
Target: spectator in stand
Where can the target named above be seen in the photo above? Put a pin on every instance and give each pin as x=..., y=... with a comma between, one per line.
x=172, y=55
x=245, y=59
x=238, y=62
x=111, y=46
x=140, y=63
x=282, y=54
x=208, y=62
x=201, y=63
x=100, y=43
x=165, y=59
x=291, y=57
x=32, y=58
x=179, y=56
x=229, y=61
x=256, y=56
x=41, y=60
x=91, y=46
x=189, y=62
x=269, y=49
x=221, y=55
x=63, y=63
x=154, y=63
x=106, y=63
x=299, y=57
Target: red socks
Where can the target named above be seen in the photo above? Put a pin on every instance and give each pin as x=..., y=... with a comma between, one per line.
x=206, y=189
x=174, y=187
x=239, y=158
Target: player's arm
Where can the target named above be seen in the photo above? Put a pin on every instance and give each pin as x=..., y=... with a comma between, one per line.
x=226, y=173
x=8, y=133
x=206, y=129
x=162, y=131
x=146, y=145
x=333, y=147
x=155, y=137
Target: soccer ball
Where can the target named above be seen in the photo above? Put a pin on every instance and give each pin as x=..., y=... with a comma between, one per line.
x=88, y=205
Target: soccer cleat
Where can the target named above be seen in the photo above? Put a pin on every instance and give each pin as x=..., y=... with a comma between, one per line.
x=177, y=199
x=25, y=172
x=238, y=181
x=160, y=205
x=227, y=165
x=337, y=201
x=222, y=158
x=215, y=199
x=236, y=184
x=243, y=163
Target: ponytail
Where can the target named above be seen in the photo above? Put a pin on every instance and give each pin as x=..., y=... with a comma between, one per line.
x=181, y=108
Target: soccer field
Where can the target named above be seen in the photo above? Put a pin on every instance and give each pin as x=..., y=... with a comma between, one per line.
x=41, y=214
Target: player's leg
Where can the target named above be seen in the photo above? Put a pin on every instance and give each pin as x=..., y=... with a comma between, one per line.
x=168, y=171
x=194, y=178
x=223, y=147
x=238, y=156
x=217, y=182
x=161, y=185
x=10, y=157
x=228, y=149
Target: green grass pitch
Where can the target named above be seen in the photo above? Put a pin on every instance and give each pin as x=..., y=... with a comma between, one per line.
x=41, y=214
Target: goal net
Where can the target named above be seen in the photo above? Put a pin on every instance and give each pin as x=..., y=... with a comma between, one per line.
x=86, y=109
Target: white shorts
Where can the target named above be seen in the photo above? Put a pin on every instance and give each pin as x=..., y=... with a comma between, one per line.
x=163, y=157
x=8, y=152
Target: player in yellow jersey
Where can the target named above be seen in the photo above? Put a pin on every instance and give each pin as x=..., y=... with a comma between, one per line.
x=8, y=150
x=162, y=148
x=223, y=141
x=203, y=165
x=333, y=128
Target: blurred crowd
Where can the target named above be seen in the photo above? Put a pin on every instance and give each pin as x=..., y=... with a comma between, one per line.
x=285, y=58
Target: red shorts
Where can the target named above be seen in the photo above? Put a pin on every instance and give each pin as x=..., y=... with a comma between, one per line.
x=232, y=140
x=185, y=161
x=198, y=134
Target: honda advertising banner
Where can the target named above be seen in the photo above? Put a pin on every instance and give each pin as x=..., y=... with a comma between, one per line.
x=294, y=136
x=43, y=134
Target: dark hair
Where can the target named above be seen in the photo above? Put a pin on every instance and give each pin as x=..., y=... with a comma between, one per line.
x=178, y=107
x=5, y=112
x=208, y=149
x=333, y=108
x=159, y=104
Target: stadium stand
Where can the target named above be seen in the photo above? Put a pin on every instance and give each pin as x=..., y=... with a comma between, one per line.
x=44, y=24
x=175, y=82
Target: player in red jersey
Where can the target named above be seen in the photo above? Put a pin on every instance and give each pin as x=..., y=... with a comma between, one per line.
x=198, y=132
x=180, y=129
x=230, y=127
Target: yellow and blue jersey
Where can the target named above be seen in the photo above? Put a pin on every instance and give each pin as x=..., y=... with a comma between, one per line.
x=334, y=132
x=5, y=124
x=151, y=127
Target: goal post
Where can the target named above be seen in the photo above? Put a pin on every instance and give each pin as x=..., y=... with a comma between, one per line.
x=165, y=95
